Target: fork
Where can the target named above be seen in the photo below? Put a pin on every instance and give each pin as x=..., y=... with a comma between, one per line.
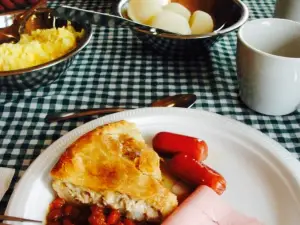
x=19, y=219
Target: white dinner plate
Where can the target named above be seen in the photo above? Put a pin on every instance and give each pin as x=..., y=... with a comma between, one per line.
x=263, y=177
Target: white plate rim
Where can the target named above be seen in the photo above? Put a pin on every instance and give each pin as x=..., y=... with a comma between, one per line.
x=289, y=161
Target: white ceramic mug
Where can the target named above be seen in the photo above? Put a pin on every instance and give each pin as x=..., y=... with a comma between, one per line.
x=288, y=9
x=268, y=65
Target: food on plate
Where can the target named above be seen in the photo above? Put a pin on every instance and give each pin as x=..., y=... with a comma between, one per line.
x=142, y=11
x=173, y=17
x=110, y=176
x=179, y=9
x=205, y=207
x=201, y=23
x=196, y=173
x=170, y=21
x=168, y=144
x=38, y=47
x=112, y=166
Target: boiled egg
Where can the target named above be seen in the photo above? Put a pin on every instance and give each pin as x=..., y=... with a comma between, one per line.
x=201, y=23
x=170, y=21
x=179, y=9
x=142, y=11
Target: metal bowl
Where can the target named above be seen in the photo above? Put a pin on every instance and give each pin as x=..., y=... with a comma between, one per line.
x=228, y=15
x=46, y=73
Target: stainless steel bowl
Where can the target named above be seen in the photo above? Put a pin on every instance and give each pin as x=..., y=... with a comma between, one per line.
x=46, y=73
x=228, y=15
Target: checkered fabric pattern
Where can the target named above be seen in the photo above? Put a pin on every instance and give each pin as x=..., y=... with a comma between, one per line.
x=116, y=70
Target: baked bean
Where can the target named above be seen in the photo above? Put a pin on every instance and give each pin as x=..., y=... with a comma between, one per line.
x=54, y=215
x=67, y=222
x=113, y=217
x=62, y=213
x=67, y=210
x=97, y=217
x=57, y=203
x=71, y=211
x=128, y=222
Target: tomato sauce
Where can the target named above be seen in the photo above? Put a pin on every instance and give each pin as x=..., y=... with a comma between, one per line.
x=63, y=213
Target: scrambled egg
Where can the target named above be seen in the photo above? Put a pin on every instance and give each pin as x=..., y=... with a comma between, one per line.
x=38, y=47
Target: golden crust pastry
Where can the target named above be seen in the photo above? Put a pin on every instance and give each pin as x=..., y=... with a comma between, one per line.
x=115, y=157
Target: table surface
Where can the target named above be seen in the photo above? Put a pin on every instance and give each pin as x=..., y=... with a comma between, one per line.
x=116, y=70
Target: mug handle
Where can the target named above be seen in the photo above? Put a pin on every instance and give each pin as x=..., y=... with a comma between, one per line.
x=298, y=106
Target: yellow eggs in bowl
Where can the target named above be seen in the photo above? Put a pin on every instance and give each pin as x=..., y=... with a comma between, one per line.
x=38, y=47
x=43, y=61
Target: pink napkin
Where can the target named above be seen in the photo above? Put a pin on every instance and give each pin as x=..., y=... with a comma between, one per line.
x=6, y=175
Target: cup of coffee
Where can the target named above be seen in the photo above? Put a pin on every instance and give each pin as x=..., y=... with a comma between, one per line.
x=268, y=65
x=287, y=9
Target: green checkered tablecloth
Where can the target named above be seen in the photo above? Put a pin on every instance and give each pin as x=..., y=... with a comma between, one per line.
x=115, y=70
